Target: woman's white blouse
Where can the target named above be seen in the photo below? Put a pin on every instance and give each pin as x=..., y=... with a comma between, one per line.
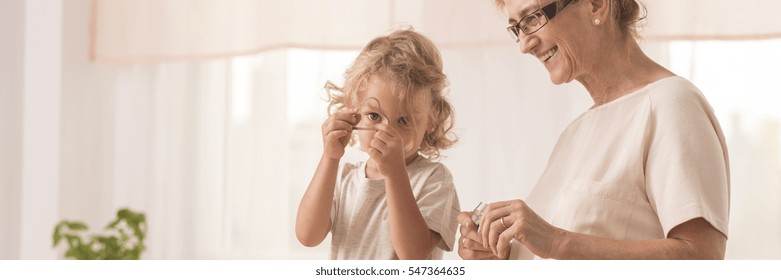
x=636, y=167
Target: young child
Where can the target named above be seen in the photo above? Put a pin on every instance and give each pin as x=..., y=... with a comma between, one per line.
x=398, y=204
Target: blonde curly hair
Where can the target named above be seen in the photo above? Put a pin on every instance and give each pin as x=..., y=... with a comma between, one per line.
x=411, y=62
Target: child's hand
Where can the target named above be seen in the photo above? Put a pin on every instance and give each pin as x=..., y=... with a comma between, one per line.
x=337, y=131
x=387, y=149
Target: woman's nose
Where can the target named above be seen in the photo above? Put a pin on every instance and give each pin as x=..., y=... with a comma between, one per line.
x=527, y=43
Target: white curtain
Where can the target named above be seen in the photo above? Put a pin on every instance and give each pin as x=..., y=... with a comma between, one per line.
x=712, y=20
x=186, y=29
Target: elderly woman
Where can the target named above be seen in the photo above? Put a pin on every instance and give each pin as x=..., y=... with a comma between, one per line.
x=643, y=174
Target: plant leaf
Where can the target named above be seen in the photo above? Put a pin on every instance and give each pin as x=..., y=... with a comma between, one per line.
x=76, y=225
x=115, y=244
x=56, y=236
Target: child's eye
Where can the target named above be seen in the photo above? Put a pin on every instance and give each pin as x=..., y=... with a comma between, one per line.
x=374, y=116
x=404, y=121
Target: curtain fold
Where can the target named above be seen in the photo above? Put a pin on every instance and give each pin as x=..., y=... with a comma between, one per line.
x=712, y=20
x=154, y=30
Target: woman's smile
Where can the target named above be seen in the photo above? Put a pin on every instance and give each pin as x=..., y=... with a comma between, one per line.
x=549, y=54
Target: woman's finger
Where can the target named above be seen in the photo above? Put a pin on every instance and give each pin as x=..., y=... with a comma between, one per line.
x=505, y=239
x=493, y=213
x=493, y=234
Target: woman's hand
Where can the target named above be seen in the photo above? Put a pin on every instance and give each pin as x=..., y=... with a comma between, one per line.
x=337, y=131
x=387, y=150
x=470, y=245
x=507, y=220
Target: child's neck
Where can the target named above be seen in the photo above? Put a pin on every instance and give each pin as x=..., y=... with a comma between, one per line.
x=373, y=173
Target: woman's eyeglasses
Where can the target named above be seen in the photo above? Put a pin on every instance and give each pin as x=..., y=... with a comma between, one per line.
x=536, y=20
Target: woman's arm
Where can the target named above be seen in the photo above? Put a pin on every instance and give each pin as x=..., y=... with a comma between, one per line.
x=694, y=239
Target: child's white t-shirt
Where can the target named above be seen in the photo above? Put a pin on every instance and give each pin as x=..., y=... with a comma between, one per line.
x=360, y=229
x=636, y=167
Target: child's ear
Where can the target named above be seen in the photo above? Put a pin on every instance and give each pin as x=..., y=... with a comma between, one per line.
x=431, y=127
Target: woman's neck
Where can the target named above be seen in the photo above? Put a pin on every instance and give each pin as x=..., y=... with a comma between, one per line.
x=621, y=69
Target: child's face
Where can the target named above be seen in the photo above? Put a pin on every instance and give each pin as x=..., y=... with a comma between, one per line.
x=380, y=105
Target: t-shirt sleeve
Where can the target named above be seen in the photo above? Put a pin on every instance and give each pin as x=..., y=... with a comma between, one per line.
x=438, y=203
x=687, y=165
x=344, y=171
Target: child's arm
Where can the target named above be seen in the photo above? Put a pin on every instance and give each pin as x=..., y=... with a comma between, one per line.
x=314, y=212
x=411, y=237
x=313, y=219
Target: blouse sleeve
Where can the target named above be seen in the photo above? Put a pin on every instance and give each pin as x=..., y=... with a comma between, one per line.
x=687, y=165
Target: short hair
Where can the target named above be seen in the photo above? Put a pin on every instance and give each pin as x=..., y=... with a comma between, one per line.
x=411, y=62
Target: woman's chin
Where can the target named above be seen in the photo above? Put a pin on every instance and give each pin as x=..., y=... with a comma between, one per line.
x=558, y=78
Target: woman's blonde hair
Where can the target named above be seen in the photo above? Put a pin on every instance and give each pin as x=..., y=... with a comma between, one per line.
x=626, y=13
x=410, y=62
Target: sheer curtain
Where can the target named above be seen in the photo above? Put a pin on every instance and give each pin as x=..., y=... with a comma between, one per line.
x=186, y=29
x=196, y=145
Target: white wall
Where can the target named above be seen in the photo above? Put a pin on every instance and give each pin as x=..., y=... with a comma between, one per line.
x=41, y=127
x=86, y=123
x=30, y=57
x=11, y=67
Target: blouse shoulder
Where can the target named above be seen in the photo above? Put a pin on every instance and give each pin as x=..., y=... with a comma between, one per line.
x=674, y=92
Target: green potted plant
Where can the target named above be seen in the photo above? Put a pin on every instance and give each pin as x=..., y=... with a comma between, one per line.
x=123, y=239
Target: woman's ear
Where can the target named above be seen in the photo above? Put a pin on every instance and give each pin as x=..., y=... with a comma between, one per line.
x=599, y=10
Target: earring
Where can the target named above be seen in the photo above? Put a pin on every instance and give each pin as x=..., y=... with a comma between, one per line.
x=597, y=21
